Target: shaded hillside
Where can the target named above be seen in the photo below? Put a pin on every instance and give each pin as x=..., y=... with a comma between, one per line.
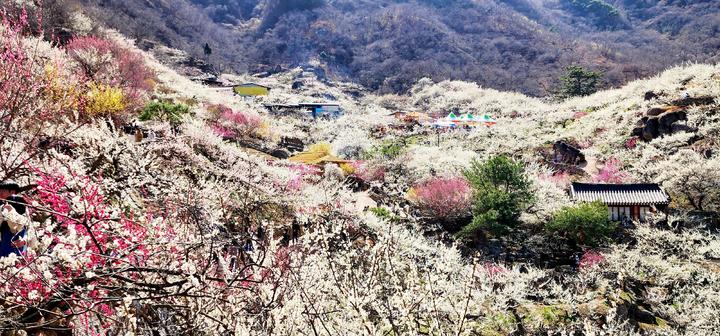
x=388, y=45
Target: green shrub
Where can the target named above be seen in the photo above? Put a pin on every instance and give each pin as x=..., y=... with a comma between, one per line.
x=586, y=223
x=381, y=212
x=389, y=149
x=501, y=191
x=384, y=213
x=164, y=111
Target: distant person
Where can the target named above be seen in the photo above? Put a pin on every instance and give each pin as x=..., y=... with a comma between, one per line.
x=138, y=135
x=207, y=50
x=285, y=240
x=128, y=128
x=12, y=231
x=576, y=261
x=295, y=231
x=248, y=247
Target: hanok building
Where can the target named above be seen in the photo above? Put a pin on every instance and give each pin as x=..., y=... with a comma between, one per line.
x=624, y=201
x=251, y=90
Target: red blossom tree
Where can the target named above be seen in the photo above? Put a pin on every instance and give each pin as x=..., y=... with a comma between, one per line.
x=631, y=143
x=92, y=264
x=444, y=197
x=231, y=124
x=591, y=258
x=368, y=172
x=611, y=172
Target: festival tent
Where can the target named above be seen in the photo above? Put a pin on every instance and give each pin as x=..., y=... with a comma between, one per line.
x=452, y=117
x=488, y=120
x=469, y=119
x=443, y=123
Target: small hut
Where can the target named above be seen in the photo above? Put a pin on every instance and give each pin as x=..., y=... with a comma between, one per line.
x=398, y=114
x=624, y=201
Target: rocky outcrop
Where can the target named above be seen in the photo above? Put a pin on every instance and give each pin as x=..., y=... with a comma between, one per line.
x=201, y=65
x=703, y=146
x=650, y=95
x=292, y=144
x=659, y=121
x=260, y=146
x=633, y=306
x=564, y=153
x=280, y=153
x=690, y=101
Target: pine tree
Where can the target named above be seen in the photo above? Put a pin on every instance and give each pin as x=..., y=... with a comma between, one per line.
x=501, y=191
x=578, y=81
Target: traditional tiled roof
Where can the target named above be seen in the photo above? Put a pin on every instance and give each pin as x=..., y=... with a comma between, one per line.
x=620, y=194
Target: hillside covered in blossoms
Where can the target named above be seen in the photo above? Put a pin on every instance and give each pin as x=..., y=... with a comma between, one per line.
x=136, y=201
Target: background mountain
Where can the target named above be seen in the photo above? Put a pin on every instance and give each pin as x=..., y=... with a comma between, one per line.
x=387, y=45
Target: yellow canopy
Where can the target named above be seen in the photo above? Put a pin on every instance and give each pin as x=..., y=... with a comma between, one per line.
x=317, y=154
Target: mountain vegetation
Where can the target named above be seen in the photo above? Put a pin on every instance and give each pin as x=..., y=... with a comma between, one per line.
x=387, y=46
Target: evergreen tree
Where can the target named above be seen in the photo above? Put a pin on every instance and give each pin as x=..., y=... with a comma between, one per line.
x=501, y=191
x=578, y=81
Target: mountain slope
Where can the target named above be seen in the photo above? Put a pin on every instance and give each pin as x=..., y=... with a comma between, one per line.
x=388, y=45
x=191, y=231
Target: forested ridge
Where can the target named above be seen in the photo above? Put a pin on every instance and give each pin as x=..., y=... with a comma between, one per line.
x=520, y=45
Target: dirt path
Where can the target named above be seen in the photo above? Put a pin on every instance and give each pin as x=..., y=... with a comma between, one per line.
x=363, y=201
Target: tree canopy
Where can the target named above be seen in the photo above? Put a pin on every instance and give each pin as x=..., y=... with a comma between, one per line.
x=586, y=223
x=578, y=81
x=501, y=191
